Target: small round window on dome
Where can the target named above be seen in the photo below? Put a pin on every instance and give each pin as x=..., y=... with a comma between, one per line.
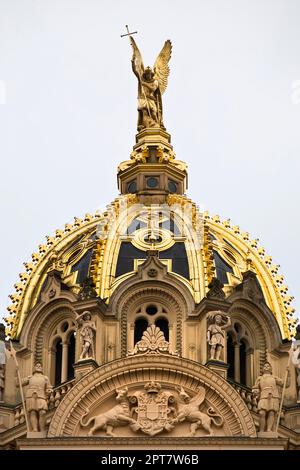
x=152, y=182
x=172, y=186
x=132, y=187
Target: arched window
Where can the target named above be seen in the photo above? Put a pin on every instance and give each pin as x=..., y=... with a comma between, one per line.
x=152, y=311
x=62, y=352
x=140, y=326
x=163, y=325
x=239, y=355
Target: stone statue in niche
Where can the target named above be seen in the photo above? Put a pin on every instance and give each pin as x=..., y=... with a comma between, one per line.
x=37, y=395
x=217, y=324
x=87, y=331
x=297, y=366
x=268, y=390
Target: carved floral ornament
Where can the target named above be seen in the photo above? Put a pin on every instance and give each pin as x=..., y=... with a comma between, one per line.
x=153, y=342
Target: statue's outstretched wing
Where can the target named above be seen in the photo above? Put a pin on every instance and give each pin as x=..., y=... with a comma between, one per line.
x=161, y=67
x=137, y=61
x=199, y=397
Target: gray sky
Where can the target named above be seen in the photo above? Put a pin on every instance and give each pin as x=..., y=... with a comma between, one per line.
x=68, y=116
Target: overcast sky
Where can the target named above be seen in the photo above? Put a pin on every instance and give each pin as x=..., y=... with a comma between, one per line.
x=68, y=114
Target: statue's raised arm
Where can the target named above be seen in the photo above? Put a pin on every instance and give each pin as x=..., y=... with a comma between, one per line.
x=151, y=85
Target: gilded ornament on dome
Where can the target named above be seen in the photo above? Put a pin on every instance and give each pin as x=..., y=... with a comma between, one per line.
x=152, y=83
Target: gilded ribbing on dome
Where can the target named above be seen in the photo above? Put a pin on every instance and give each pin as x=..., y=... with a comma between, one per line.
x=109, y=226
x=21, y=302
x=276, y=298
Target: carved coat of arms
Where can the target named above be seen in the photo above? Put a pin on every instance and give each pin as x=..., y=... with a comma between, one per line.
x=153, y=410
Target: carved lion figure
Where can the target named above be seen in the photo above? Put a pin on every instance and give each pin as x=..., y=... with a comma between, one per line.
x=189, y=411
x=119, y=415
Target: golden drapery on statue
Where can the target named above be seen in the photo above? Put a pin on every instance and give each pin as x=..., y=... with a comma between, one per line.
x=152, y=83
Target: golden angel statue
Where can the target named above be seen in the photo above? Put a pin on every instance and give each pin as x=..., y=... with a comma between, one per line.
x=151, y=85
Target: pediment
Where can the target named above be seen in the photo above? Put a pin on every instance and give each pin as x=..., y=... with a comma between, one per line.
x=136, y=397
x=249, y=289
x=152, y=268
x=54, y=288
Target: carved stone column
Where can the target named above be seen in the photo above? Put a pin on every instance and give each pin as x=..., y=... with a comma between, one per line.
x=237, y=366
x=249, y=367
x=64, y=362
x=51, y=362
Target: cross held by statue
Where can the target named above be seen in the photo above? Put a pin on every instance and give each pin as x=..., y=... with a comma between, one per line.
x=128, y=33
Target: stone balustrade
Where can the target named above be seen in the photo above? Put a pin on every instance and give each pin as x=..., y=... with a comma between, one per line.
x=58, y=393
x=247, y=395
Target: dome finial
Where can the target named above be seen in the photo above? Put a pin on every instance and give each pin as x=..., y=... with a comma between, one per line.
x=152, y=83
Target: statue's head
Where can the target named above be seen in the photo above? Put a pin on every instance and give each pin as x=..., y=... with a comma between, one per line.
x=148, y=74
x=38, y=368
x=216, y=317
x=87, y=316
x=121, y=393
x=267, y=369
x=183, y=395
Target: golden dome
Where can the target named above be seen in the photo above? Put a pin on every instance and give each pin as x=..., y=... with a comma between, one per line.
x=107, y=249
